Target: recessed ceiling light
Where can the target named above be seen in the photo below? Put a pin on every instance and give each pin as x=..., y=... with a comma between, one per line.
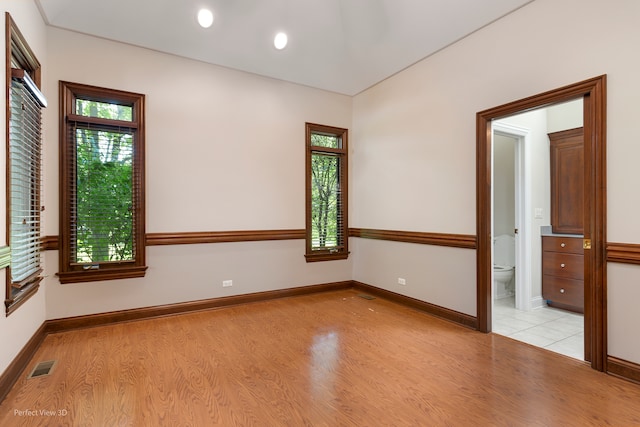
x=280, y=41
x=205, y=18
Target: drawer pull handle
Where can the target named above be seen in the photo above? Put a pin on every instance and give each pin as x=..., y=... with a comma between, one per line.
x=562, y=290
x=562, y=265
x=562, y=245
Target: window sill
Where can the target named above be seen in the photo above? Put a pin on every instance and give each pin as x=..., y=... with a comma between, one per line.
x=326, y=256
x=100, y=275
x=13, y=304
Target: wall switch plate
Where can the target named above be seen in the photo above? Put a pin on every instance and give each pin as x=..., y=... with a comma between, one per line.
x=227, y=283
x=538, y=213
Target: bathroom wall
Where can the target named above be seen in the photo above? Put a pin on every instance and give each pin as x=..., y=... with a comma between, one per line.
x=504, y=149
x=568, y=115
x=504, y=201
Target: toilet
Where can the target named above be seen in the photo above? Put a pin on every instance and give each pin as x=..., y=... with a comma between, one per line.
x=503, y=266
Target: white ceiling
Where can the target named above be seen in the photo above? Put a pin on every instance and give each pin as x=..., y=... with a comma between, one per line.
x=343, y=46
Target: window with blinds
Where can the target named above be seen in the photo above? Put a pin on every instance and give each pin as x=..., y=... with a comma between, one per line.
x=24, y=103
x=102, y=184
x=25, y=148
x=326, y=193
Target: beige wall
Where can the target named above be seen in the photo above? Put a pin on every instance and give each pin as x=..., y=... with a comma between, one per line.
x=225, y=151
x=419, y=127
x=438, y=275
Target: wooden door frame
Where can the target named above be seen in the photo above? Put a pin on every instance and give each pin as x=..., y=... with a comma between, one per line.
x=593, y=92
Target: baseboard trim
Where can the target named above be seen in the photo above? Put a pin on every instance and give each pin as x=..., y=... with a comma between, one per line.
x=92, y=320
x=21, y=361
x=616, y=367
x=624, y=369
x=538, y=302
x=432, y=309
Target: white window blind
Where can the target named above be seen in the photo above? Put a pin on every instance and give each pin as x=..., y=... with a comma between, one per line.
x=25, y=148
x=102, y=186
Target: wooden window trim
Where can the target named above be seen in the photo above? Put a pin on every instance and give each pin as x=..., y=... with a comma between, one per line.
x=343, y=252
x=16, y=46
x=70, y=272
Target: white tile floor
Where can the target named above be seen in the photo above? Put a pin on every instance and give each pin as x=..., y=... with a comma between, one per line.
x=556, y=330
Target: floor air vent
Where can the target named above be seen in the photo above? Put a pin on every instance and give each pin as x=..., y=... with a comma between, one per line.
x=42, y=368
x=366, y=296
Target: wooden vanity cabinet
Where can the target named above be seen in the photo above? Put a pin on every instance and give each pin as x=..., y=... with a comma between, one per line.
x=563, y=272
x=567, y=181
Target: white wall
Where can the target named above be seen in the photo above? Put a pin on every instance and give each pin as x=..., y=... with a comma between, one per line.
x=419, y=127
x=225, y=151
x=568, y=115
x=19, y=327
x=504, y=202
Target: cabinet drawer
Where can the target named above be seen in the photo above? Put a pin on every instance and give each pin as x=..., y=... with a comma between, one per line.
x=562, y=244
x=563, y=291
x=570, y=266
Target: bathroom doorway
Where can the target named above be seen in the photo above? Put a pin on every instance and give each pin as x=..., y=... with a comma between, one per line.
x=511, y=201
x=593, y=93
x=521, y=199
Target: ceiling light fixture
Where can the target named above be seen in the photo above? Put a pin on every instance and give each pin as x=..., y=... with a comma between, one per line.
x=280, y=41
x=205, y=18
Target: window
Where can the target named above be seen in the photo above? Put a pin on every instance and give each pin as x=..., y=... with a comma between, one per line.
x=102, y=215
x=24, y=148
x=326, y=193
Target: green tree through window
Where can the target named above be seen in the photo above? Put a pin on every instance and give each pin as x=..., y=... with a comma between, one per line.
x=104, y=165
x=326, y=193
x=325, y=170
x=104, y=196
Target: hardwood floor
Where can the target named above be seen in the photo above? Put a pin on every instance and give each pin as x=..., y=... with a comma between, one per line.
x=328, y=359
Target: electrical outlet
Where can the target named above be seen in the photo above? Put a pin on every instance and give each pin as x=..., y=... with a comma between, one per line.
x=401, y=281
x=227, y=283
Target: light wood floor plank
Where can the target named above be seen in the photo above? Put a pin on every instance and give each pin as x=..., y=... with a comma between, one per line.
x=328, y=359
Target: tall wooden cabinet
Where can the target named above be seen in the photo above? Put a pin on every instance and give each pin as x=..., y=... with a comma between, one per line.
x=567, y=181
x=562, y=254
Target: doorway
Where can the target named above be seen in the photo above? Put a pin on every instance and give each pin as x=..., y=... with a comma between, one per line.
x=524, y=305
x=593, y=92
x=516, y=208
